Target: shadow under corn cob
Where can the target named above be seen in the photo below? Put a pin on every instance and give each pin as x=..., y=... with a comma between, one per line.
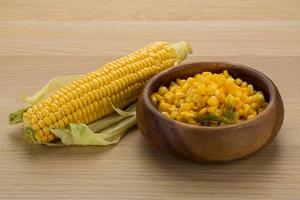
x=91, y=97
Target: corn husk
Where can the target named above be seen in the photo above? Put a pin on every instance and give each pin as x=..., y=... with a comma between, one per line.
x=105, y=131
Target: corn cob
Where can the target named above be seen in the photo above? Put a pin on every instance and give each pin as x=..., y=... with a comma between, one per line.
x=91, y=97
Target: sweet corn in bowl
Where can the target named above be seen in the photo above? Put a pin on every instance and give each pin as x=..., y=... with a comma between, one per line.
x=209, y=99
x=192, y=121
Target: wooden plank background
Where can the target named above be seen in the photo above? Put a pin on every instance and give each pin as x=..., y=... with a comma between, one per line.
x=41, y=39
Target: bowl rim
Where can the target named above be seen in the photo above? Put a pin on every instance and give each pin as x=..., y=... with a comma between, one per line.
x=271, y=89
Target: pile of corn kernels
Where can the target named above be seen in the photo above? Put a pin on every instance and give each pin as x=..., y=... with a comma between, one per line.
x=208, y=93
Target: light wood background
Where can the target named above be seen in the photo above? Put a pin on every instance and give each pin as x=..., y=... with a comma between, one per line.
x=41, y=39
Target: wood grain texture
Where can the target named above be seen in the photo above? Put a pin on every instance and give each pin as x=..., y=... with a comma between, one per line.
x=149, y=10
x=43, y=39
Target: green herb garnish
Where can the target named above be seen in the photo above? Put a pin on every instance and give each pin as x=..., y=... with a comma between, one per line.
x=228, y=116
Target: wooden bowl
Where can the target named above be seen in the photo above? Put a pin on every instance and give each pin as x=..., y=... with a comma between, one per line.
x=210, y=144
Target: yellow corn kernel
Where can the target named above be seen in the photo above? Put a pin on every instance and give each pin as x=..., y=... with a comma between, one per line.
x=41, y=123
x=28, y=114
x=179, y=118
x=198, y=76
x=85, y=113
x=88, y=99
x=75, y=117
x=159, y=97
x=188, y=115
x=217, y=93
x=154, y=99
x=34, y=119
x=230, y=99
x=204, y=99
x=210, y=91
x=162, y=90
x=250, y=89
x=225, y=73
x=47, y=121
x=180, y=82
x=172, y=108
x=240, y=112
x=174, y=114
x=213, y=101
x=50, y=137
x=166, y=114
x=206, y=74
x=212, y=110
x=39, y=134
x=52, y=117
x=201, y=89
x=173, y=88
x=190, y=81
x=185, y=87
x=169, y=97
x=196, y=98
x=55, y=125
x=45, y=112
x=40, y=106
x=229, y=82
x=74, y=104
x=192, y=121
x=179, y=95
x=35, y=127
x=260, y=97
x=251, y=111
x=70, y=118
x=254, y=105
x=222, y=98
x=178, y=102
x=251, y=99
x=244, y=84
x=246, y=108
x=66, y=109
x=218, y=112
x=53, y=107
x=238, y=81
x=250, y=117
x=39, y=115
x=46, y=130
x=163, y=106
x=65, y=120
x=237, y=102
x=60, y=124
x=186, y=106
x=188, y=99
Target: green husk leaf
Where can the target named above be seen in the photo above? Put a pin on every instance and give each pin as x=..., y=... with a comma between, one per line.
x=29, y=135
x=106, y=131
x=125, y=113
x=112, y=118
x=29, y=132
x=17, y=116
x=53, y=85
x=81, y=134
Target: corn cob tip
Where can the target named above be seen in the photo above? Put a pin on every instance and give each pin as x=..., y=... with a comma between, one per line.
x=182, y=50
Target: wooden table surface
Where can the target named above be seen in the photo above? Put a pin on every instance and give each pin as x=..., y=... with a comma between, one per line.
x=41, y=39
